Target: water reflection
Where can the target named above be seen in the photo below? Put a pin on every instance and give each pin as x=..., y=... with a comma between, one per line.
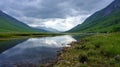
x=35, y=50
x=6, y=44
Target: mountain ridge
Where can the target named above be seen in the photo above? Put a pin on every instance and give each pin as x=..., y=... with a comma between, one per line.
x=97, y=21
x=10, y=24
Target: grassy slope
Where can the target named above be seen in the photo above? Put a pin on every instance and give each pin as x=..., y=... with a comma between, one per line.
x=94, y=51
x=7, y=26
x=105, y=20
x=10, y=24
x=109, y=23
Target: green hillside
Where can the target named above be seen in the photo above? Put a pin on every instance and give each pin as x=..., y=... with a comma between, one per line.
x=9, y=24
x=106, y=20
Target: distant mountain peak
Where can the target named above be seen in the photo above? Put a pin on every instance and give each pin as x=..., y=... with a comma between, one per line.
x=48, y=29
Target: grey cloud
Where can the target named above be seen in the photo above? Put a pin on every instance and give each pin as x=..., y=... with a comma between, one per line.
x=51, y=8
x=37, y=11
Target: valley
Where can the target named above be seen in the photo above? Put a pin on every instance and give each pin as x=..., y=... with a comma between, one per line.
x=93, y=43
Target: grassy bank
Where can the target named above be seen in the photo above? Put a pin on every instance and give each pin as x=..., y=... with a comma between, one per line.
x=101, y=50
x=20, y=35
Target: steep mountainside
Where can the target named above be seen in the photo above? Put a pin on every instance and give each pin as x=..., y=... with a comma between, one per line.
x=9, y=24
x=106, y=20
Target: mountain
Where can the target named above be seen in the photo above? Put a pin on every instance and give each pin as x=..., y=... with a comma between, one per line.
x=10, y=24
x=49, y=29
x=105, y=20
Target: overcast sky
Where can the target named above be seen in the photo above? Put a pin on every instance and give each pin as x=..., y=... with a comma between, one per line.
x=58, y=14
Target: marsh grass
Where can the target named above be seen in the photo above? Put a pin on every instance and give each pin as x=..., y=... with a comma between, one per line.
x=30, y=34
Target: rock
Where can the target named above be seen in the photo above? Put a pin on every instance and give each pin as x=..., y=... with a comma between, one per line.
x=64, y=61
x=58, y=54
x=77, y=65
x=47, y=65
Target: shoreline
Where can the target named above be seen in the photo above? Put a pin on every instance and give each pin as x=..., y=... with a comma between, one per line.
x=59, y=58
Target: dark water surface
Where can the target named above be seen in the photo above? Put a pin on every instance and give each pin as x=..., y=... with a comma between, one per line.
x=33, y=50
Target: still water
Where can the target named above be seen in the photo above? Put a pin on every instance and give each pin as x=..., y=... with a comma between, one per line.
x=32, y=50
